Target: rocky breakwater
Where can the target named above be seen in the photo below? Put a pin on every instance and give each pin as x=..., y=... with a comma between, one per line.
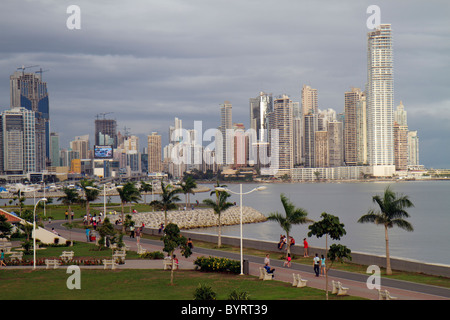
x=199, y=218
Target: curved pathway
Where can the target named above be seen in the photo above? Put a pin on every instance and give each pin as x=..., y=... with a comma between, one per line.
x=356, y=282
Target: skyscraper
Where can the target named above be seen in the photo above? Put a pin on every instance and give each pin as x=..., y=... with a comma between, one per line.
x=380, y=94
x=351, y=103
x=154, y=153
x=283, y=122
x=310, y=110
x=27, y=90
x=18, y=143
x=413, y=148
x=310, y=102
x=54, y=150
x=259, y=108
x=226, y=124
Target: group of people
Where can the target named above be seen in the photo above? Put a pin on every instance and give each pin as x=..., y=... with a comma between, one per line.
x=92, y=220
x=319, y=265
x=136, y=232
x=283, y=242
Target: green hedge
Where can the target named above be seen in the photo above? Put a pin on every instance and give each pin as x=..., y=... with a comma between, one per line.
x=214, y=264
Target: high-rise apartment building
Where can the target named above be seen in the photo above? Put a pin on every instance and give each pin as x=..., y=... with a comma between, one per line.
x=400, y=115
x=81, y=145
x=154, y=153
x=400, y=146
x=335, y=144
x=54, y=150
x=226, y=123
x=18, y=144
x=27, y=90
x=259, y=109
x=321, y=156
x=413, y=148
x=380, y=96
x=351, y=103
x=310, y=102
x=282, y=120
x=361, y=130
x=309, y=129
x=175, y=131
x=310, y=110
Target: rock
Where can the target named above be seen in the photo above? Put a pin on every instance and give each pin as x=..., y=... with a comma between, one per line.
x=198, y=218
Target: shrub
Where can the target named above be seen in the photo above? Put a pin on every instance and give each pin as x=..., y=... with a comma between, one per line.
x=214, y=264
x=152, y=255
x=238, y=295
x=204, y=292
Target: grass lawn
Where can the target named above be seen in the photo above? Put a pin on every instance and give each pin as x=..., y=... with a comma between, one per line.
x=144, y=285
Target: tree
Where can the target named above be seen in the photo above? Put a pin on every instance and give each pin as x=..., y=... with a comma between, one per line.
x=330, y=226
x=106, y=230
x=145, y=188
x=188, y=187
x=392, y=213
x=90, y=193
x=219, y=206
x=292, y=216
x=70, y=197
x=172, y=240
x=128, y=193
x=169, y=195
x=5, y=227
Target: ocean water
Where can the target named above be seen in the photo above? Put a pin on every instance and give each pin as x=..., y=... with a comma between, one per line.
x=430, y=216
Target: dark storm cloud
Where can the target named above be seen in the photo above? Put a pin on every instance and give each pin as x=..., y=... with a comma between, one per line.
x=148, y=62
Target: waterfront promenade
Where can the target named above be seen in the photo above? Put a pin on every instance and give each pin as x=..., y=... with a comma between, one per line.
x=355, y=282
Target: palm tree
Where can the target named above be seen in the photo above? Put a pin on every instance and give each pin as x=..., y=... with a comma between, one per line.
x=71, y=197
x=392, y=213
x=219, y=206
x=128, y=193
x=188, y=187
x=90, y=193
x=292, y=216
x=145, y=188
x=168, y=198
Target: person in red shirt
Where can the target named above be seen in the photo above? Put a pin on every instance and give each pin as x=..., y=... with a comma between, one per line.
x=305, y=248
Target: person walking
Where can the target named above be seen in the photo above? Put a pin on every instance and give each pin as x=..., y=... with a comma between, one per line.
x=287, y=262
x=87, y=234
x=322, y=265
x=316, y=264
x=138, y=235
x=2, y=259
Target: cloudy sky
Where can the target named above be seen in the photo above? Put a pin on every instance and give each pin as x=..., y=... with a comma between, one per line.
x=147, y=62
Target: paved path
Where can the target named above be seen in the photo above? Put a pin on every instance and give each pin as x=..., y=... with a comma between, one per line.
x=356, y=283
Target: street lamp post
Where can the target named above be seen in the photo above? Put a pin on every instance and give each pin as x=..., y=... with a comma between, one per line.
x=240, y=193
x=104, y=195
x=34, y=231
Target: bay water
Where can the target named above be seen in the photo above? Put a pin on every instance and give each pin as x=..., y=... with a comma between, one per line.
x=430, y=216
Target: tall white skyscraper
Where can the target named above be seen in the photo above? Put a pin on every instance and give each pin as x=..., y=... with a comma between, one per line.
x=380, y=94
x=226, y=123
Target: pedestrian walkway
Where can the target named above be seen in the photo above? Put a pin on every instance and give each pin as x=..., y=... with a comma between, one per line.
x=355, y=282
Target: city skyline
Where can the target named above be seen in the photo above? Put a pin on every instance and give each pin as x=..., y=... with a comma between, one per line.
x=191, y=81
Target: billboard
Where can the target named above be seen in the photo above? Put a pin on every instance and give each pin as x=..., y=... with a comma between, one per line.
x=103, y=152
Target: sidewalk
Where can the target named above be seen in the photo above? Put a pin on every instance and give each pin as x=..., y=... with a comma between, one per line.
x=355, y=282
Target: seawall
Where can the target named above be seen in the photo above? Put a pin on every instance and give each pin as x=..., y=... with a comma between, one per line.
x=357, y=257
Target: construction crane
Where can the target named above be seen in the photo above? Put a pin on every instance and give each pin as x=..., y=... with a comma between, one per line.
x=104, y=114
x=27, y=67
x=125, y=131
x=41, y=71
